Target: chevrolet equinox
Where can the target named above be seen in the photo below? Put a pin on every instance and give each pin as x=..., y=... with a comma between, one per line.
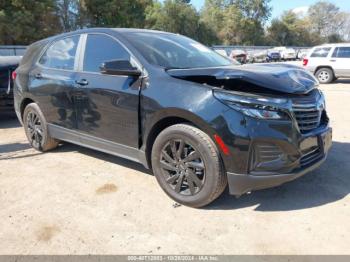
x=197, y=119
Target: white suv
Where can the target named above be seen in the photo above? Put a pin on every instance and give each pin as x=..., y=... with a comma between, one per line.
x=286, y=53
x=329, y=62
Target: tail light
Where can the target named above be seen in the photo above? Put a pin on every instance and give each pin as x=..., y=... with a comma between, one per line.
x=13, y=75
x=305, y=61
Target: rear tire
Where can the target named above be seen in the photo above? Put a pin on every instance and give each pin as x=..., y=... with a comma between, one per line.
x=35, y=127
x=187, y=165
x=324, y=75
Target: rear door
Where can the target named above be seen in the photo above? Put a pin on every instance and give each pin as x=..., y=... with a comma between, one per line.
x=107, y=105
x=51, y=81
x=341, y=61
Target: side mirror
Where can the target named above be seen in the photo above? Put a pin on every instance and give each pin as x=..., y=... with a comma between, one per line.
x=119, y=67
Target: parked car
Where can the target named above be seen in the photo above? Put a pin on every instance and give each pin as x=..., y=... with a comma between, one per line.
x=8, y=64
x=257, y=56
x=168, y=102
x=239, y=55
x=287, y=54
x=329, y=62
x=273, y=56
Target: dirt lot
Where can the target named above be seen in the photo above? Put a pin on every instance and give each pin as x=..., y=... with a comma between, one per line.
x=77, y=201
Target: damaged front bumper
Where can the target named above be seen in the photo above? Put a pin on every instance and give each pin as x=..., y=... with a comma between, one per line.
x=243, y=183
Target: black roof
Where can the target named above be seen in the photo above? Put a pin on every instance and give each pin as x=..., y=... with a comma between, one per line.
x=110, y=30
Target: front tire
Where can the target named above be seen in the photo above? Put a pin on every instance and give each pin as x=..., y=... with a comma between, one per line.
x=324, y=75
x=187, y=165
x=35, y=127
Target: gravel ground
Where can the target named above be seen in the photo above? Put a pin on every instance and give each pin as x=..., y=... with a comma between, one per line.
x=78, y=201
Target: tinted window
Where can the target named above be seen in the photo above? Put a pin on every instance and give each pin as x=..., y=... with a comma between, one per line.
x=101, y=48
x=321, y=52
x=61, y=54
x=342, y=52
x=175, y=51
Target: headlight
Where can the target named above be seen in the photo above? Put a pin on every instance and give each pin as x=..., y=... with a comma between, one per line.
x=263, y=114
x=253, y=105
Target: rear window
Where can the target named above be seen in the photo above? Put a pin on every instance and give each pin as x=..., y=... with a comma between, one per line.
x=61, y=54
x=321, y=52
x=342, y=52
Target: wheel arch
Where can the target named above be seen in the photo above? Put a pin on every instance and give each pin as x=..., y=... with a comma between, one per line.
x=324, y=66
x=26, y=101
x=168, y=118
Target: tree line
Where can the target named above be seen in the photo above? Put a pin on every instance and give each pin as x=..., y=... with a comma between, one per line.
x=229, y=22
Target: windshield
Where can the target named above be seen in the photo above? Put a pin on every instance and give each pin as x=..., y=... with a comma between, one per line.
x=175, y=51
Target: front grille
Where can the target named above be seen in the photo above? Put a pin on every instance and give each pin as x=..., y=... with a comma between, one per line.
x=307, y=116
x=311, y=157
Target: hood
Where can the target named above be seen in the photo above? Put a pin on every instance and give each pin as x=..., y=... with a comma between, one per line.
x=279, y=78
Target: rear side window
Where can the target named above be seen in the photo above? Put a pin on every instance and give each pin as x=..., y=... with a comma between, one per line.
x=61, y=54
x=342, y=52
x=321, y=52
x=102, y=48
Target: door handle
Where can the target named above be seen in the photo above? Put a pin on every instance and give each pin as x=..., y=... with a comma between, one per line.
x=333, y=60
x=38, y=76
x=82, y=82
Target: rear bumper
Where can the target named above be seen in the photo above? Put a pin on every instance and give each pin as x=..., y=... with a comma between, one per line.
x=241, y=184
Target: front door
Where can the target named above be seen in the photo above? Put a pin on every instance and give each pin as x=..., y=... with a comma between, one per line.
x=107, y=105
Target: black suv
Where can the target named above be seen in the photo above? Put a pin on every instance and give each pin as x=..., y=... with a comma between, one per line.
x=175, y=106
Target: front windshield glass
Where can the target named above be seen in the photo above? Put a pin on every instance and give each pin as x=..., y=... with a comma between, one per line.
x=175, y=51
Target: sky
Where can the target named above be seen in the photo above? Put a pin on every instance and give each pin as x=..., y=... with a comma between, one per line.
x=279, y=6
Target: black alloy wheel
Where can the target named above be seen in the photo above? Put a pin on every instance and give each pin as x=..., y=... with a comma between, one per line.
x=188, y=166
x=35, y=127
x=183, y=167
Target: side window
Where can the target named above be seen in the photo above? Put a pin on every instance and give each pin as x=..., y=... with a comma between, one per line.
x=61, y=54
x=335, y=52
x=344, y=52
x=101, y=48
x=321, y=52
